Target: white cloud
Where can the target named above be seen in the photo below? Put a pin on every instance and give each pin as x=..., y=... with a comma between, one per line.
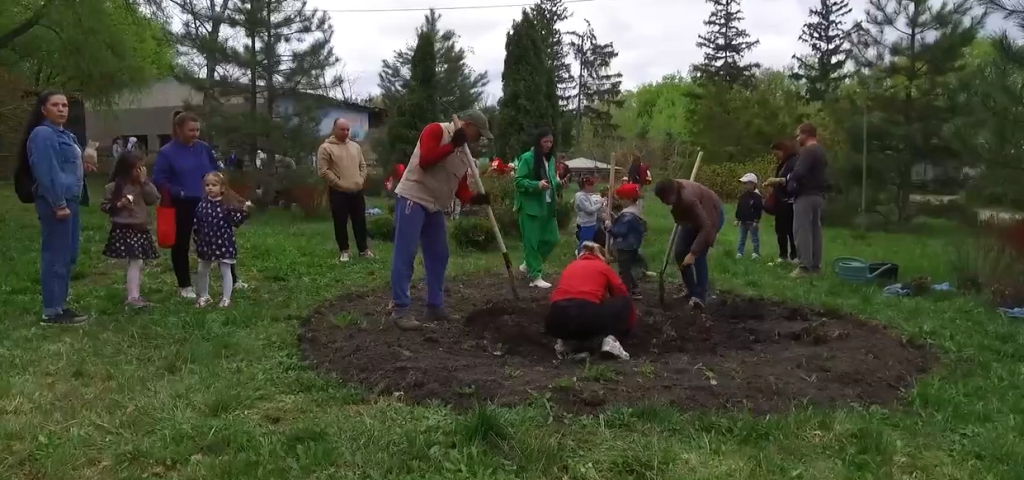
x=653, y=37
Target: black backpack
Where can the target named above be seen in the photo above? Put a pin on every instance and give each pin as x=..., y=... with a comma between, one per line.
x=24, y=182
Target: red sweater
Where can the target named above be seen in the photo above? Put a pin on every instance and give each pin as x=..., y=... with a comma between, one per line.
x=433, y=152
x=589, y=278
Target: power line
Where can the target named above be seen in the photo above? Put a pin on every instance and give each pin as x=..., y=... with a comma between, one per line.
x=467, y=7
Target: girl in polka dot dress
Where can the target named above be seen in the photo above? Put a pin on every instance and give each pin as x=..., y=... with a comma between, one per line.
x=126, y=199
x=217, y=217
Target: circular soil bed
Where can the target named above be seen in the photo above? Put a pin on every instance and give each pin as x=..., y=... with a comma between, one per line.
x=744, y=353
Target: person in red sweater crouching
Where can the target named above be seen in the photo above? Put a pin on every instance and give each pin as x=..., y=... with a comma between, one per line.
x=590, y=305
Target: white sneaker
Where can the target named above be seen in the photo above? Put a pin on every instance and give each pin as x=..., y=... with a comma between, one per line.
x=241, y=286
x=187, y=292
x=523, y=269
x=561, y=349
x=224, y=303
x=754, y=256
x=540, y=283
x=612, y=346
x=344, y=257
x=203, y=301
x=739, y=255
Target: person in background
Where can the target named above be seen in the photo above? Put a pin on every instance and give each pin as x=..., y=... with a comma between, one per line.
x=590, y=307
x=748, y=215
x=179, y=172
x=126, y=200
x=808, y=182
x=562, y=171
x=638, y=173
x=587, y=209
x=627, y=231
x=536, y=184
x=116, y=149
x=51, y=159
x=133, y=144
x=780, y=202
x=340, y=162
x=698, y=213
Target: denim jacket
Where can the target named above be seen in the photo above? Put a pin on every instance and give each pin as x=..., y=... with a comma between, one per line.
x=56, y=161
x=628, y=229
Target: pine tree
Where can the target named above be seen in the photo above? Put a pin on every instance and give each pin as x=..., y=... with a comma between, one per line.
x=550, y=14
x=824, y=69
x=529, y=89
x=725, y=45
x=598, y=90
x=418, y=106
x=464, y=86
x=201, y=46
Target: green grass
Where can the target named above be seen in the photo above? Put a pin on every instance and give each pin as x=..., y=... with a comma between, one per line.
x=221, y=394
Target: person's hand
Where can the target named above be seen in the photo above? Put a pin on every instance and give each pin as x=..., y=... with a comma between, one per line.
x=142, y=174
x=247, y=206
x=607, y=224
x=564, y=181
x=688, y=260
x=62, y=213
x=772, y=182
x=89, y=167
x=124, y=202
x=754, y=226
x=459, y=137
x=736, y=223
x=545, y=185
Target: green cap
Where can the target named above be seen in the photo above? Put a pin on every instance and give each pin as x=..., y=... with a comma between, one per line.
x=476, y=117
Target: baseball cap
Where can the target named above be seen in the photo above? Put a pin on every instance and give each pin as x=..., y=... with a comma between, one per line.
x=476, y=117
x=748, y=178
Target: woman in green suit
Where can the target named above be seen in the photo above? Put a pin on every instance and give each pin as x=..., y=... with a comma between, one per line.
x=537, y=189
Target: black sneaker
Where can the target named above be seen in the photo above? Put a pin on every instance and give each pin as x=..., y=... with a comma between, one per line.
x=68, y=317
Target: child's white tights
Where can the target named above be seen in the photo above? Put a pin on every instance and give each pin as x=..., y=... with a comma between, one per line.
x=134, y=280
x=227, y=281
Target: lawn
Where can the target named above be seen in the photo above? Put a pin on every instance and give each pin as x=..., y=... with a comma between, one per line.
x=174, y=392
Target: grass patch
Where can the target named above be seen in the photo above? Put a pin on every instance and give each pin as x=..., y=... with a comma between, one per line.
x=175, y=392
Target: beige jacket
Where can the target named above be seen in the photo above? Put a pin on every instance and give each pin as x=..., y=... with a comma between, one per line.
x=434, y=187
x=341, y=164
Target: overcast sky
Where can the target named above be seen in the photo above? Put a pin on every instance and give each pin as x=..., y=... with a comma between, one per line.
x=653, y=37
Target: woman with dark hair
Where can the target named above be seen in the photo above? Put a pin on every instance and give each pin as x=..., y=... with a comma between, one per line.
x=781, y=201
x=53, y=157
x=537, y=186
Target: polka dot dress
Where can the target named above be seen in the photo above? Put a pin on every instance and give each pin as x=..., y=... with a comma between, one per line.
x=129, y=242
x=214, y=231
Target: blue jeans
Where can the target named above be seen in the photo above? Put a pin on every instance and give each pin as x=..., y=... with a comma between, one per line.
x=696, y=278
x=58, y=254
x=416, y=226
x=755, y=237
x=584, y=234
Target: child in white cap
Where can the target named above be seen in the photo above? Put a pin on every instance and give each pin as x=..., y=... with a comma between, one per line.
x=748, y=215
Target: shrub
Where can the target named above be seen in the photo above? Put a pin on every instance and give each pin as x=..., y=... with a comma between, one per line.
x=381, y=227
x=374, y=186
x=992, y=262
x=565, y=213
x=473, y=233
x=723, y=178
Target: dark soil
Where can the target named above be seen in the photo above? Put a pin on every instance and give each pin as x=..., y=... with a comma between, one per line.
x=745, y=353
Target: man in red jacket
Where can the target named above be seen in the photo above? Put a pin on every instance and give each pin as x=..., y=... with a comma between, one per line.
x=590, y=304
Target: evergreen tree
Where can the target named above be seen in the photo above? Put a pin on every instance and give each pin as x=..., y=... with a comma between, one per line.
x=417, y=107
x=464, y=87
x=529, y=89
x=824, y=69
x=725, y=45
x=550, y=14
x=201, y=46
x=912, y=49
x=597, y=89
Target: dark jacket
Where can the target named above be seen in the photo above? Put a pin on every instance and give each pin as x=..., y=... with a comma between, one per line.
x=809, y=176
x=628, y=229
x=782, y=170
x=749, y=207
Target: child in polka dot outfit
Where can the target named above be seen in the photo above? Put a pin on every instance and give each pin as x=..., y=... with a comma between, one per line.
x=217, y=217
x=126, y=199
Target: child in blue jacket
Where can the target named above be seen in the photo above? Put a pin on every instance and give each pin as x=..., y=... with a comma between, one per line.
x=627, y=231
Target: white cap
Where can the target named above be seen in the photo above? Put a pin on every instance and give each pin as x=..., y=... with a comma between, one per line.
x=748, y=178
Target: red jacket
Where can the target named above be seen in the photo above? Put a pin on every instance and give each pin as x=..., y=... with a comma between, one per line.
x=589, y=278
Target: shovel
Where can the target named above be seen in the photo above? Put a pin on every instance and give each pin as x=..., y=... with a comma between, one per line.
x=672, y=241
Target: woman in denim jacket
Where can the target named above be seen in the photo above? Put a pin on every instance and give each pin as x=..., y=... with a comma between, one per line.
x=55, y=159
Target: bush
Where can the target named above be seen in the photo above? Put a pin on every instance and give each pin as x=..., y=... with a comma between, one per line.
x=374, y=186
x=565, y=212
x=381, y=227
x=723, y=178
x=473, y=233
x=992, y=263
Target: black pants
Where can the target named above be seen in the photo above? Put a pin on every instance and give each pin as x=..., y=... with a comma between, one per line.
x=629, y=261
x=346, y=205
x=184, y=220
x=784, y=230
x=582, y=320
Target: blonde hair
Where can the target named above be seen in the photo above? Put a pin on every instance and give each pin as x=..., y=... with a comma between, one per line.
x=227, y=193
x=592, y=248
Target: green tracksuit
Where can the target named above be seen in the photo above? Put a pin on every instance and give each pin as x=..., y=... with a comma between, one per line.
x=538, y=222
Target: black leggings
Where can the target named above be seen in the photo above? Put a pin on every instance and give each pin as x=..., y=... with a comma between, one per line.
x=784, y=230
x=582, y=320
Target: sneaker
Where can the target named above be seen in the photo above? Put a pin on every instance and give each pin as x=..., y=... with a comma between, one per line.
x=137, y=302
x=67, y=317
x=637, y=295
x=187, y=292
x=403, y=320
x=437, y=314
x=561, y=349
x=794, y=261
x=224, y=302
x=344, y=257
x=800, y=272
x=366, y=254
x=523, y=269
x=650, y=274
x=203, y=301
x=696, y=304
x=611, y=346
x=739, y=255
x=755, y=256
x=241, y=286
x=540, y=283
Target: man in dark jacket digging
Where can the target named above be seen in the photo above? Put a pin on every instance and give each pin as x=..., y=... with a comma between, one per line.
x=698, y=213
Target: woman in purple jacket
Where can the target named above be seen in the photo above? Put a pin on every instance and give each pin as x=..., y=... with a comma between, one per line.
x=180, y=168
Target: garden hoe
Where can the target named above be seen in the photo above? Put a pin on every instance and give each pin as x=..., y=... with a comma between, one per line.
x=672, y=242
x=475, y=173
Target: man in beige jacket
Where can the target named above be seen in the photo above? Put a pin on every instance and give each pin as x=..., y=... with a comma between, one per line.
x=340, y=162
